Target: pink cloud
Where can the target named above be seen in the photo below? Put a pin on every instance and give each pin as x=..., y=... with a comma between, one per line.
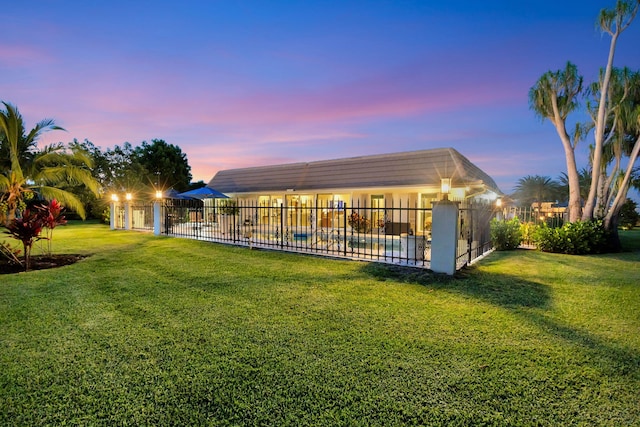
x=20, y=55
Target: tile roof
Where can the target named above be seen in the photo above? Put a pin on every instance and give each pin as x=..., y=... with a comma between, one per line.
x=412, y=168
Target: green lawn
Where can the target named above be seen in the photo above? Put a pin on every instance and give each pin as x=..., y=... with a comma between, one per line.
x=161, y=331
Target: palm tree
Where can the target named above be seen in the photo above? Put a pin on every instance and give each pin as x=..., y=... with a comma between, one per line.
x=554, y=97
x=612, y=21
x=584, y=178
x=27, y=172
x=536, y=189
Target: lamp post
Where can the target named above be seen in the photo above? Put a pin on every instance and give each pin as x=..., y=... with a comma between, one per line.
x=445, y=187
x=157, y=213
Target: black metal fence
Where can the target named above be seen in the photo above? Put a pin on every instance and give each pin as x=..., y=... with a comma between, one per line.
x=475, y=232
x=553, y=217
x=118, y=220
x=531, y=217
x=399, y=234
x=142, y=217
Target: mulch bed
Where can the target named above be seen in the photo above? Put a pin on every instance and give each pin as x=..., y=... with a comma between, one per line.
x=40, y=262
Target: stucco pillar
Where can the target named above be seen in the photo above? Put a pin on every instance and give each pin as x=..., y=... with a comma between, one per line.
x=444, y=237
x=127, y=215
x=157, y=218
x=112, y=215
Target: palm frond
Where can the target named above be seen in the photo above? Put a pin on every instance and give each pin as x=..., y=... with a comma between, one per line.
x=67, y=174
x=67, y=199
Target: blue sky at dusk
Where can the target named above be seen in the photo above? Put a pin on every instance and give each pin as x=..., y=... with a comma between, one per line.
x=248, y=83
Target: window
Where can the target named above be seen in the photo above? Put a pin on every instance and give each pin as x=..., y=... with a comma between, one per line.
x=377, y=211
x=425, y=216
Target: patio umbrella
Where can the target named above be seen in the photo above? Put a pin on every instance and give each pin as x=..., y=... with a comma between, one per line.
x=173, y=194
x=204, y=193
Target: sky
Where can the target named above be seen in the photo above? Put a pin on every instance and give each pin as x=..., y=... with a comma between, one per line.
x=253, y=83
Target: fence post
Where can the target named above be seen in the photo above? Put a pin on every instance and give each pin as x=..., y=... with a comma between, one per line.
x=470, y=237
x=112, y=215
x=157, y=218
x=444, y=237
x=127, y=215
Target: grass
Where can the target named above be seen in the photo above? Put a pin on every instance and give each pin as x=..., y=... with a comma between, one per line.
x=160, y=331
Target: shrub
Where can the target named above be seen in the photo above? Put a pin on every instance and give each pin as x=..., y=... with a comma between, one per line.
x=506, y=235
x=28, y=227
x=528, y=230
x=52, y=217
x=575, y=238
x=629, y=216
x=360, y=224
x=105, y=216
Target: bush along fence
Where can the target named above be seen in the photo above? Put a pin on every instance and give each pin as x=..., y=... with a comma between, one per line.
x=548, y=232
x=531, y=218
x=443, y=238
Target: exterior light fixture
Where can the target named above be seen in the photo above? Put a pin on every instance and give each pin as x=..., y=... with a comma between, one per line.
x=128, y=196
x=445, y=187
x=158, y=194
x=498, y=202
x=114, y=197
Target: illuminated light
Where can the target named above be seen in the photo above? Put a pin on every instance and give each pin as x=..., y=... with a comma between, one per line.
x=158, y=194
x=498, y=202
x=128, y=196
x=114, y=197
x=445, y=185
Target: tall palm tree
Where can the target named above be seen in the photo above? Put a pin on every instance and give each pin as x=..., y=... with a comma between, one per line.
x=25, y=171
x=536, y=189
x=584, y=178
x=612, y=21
x=554, y=97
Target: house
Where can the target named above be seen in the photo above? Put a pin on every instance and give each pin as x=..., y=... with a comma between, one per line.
x=411, y=179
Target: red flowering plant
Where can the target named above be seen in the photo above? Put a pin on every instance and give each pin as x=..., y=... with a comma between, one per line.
x=52, y=217
x=359, y=223
x=27, y=229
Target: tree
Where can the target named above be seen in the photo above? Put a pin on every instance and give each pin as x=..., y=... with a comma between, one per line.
x=554, y=97
x=584, y=178
x=614, y=22
x=42, y=173
x=166, y=165
x=625, y=140
x=615, y=119
x=536, y=189
x=125, y=172
x=629, y=215
x=196, y=185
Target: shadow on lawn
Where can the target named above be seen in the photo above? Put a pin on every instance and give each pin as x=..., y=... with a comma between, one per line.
x=519, y=296
x=501, y=290
x=610, y=357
